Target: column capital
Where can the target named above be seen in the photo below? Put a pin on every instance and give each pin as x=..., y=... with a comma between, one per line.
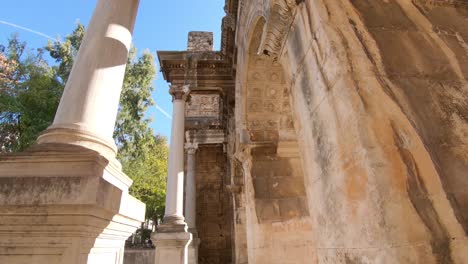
x=179, y=92
x=191, y=147
x=244, y=156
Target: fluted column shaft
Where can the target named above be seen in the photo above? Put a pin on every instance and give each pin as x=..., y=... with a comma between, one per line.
x=88, y=108
x=175, y=177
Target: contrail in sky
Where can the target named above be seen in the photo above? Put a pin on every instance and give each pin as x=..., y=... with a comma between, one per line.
x=28, y=29
x=162, y=111
x=51, y=38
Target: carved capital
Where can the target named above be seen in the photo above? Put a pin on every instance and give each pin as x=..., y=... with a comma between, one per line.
x=191, y=148
x=244, y=156
x=179, y=92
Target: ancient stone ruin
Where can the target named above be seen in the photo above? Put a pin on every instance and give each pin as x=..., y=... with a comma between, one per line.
x=322, y=132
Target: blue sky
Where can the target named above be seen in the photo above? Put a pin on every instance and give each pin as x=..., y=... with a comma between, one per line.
x=160, y=25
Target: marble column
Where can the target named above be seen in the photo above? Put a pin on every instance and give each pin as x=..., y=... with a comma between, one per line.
x=191, y=188
x=174, y=214
x=191, y=202
x=68, y=200
x=171, y=237
x=88, y=108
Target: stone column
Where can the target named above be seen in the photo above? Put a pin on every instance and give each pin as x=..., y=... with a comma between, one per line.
x=171, y=238
x=191, y=202
x=68, y=200
x=88, y=108
x=175, y=179
x=191, y=188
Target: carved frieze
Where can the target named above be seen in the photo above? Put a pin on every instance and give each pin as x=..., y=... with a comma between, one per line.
x=203, y=105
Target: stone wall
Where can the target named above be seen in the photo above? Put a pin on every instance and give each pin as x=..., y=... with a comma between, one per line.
x=139, y=256
x=200, y=41
x=214, y=213
x=379, y=100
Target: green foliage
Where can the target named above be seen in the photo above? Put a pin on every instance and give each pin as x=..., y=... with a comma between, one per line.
x=148, y=172
x=132, y=132
x=65, y=52
x=29, y=96
x=30, y=91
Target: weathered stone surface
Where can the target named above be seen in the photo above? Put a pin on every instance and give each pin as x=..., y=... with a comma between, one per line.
x=214, y=216
x=346, y=131
x=200, y=41
x=61, y=203
x=139, y=256
x=378, y=91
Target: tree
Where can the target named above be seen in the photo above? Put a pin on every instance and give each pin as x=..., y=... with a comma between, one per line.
x=148, y=172
x=31, y=91
x=29, y=96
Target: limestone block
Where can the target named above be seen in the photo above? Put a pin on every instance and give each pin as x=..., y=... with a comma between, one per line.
x=139, y=256
x=59, y=204
x=171, y=247
x=200, y=41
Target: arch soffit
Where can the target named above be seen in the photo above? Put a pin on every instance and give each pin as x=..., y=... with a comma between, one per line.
x=254, y=19
x=278, y=16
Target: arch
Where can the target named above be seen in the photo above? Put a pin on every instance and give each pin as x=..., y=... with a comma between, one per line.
x=275, y=199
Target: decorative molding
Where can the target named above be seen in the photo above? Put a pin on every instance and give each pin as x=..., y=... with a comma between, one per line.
x=191, y=147
x=281, y=16
x=208, y=136
x=203, y=105
x=179, y=92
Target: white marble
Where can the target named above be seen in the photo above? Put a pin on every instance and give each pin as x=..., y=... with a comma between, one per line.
x=171, y=248
x=175, y=177
x=88, y=109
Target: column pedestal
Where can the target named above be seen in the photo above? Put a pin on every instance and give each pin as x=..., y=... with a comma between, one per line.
x=193, y=248
x=171, y=248
x=64, y=204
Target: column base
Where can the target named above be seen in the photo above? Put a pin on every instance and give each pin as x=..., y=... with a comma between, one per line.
x=79, y=137
x=171, y=247
x=173, y=223
x=59, y=205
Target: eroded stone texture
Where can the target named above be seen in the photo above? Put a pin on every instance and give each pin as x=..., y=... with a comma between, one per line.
x=346, y=130
x=379, y=101
x=200, y=41
x=213, y=206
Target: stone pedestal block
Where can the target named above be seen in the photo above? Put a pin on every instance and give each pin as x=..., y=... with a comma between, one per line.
x=171, y=247
x=193, y=249
x=64, y=204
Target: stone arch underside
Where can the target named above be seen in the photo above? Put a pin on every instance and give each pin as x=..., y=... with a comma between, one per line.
x=276, y=204
x=375, y=131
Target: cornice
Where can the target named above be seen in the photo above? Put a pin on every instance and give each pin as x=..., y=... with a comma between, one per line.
x=280, y=18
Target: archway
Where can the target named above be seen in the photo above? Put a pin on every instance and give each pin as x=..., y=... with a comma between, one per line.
x=277, y=214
